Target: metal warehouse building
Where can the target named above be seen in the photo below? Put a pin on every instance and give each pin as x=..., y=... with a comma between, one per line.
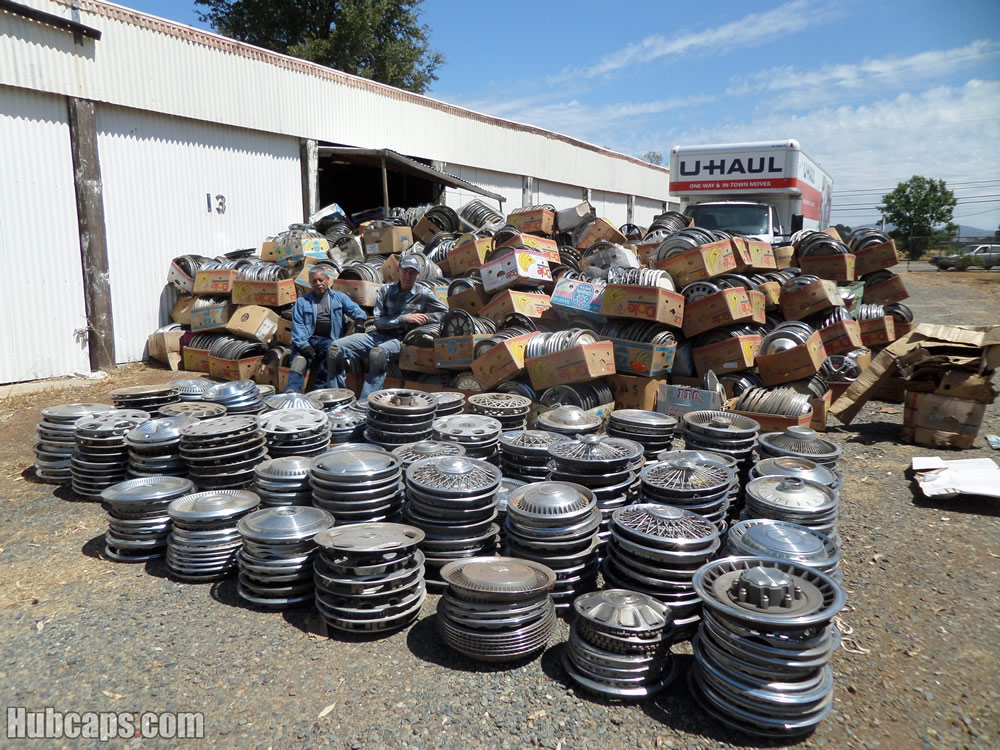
x=126, y=140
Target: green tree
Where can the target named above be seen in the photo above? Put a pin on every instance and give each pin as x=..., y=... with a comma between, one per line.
x=916, y=207
x=378, y=39
x=653, y=157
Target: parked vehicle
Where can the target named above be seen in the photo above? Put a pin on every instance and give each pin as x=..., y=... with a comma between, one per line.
x=768, y=190
x=969, y=256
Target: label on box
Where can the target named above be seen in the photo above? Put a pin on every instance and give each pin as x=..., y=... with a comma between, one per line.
x=517, y=267
x=732, y=355
x=577, y=364
x=643, y=303
x=842, y=337
x=678, y=400
x=218, y=281
x=642, y=358
x=705, y=262
x=580, y=297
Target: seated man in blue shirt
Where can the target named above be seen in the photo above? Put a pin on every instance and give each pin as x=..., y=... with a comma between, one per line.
x=398, y=308
x=318, y=319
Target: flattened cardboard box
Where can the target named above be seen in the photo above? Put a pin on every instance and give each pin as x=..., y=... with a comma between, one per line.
x=387, y=240
x=471, y=300
x=633, y=392
x=518, y=267
x=643, y=358
x=218, y=281
x=211, y=318
x=364, y=293
x=531, y=304
x=732, y=355
x=941, y=421
x=842, y=337
x=600, y=230
x=799, y=362
x=267, y=293
x=578, y=364
x=253, y=322
x=816, y=297
x=536, y=221
x=876, y=258
x=643, y=303
x=456, y=352
x=468, y=253
x=677, y=400
x=878, y=332
x=836, y=267
x=697, y=264
x=893, y=290
x=503, y=362
x=196, y=360
x=579, y=298
x=719, y=309
x=541, y=245
x=165, y=347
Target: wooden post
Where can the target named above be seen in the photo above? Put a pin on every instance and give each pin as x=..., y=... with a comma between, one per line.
x=385, y=188
x=93, y=233
x=309, y=162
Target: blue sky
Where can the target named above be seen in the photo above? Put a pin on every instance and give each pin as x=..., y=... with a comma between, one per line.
x=875, y=91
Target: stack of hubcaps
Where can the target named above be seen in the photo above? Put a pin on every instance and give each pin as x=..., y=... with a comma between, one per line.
x=221, y=452
x=203, y=542
x=332, y=398
x=413, y=452
x=800, y=442
x=735, y=487
x=497, y=608
x=763, y=649
x=619, y=644
x=524, y=454
x=292, y=401
x=238, y=396
x=803, y=468
x=148, y=398
x=453, y=499
x=653, y=430
x=100, y=456
x=795, y=500
x=138, y=522
x=283, y=481
x=195, y=408
x=449, y=402
x=698, y=484
x=723, y=432
x=568, y=420
x=154, y=447
x=765, y=537
x=191, y=389
x=556, y=524
x=276, y=560
x=398, y=415
x=347, y=425
x=56, y=440
x=509, y=409
x=357, y=486
x=479, y=435
x=655, y=550
x=369, y=577
x=295, y=432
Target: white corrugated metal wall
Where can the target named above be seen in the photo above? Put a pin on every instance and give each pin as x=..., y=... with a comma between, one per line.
x=165, y=179
x=610, y=206
x=41, y=307
x=645, y=210
x=556, y=193
x=507, y=185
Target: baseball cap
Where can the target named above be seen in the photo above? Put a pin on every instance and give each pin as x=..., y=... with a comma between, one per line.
x=409, y=261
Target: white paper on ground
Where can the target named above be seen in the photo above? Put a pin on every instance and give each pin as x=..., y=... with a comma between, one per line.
x=967, y=476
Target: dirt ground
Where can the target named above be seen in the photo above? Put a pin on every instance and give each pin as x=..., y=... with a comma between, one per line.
x=919, y=667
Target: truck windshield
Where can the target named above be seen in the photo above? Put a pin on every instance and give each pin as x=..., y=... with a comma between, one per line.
x=742, y=219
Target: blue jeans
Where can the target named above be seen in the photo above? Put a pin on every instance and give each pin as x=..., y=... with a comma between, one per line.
x=357, y=346
x=296, y=382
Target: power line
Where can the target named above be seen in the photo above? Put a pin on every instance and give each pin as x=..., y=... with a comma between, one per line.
x=964, y=200
x=880, y=190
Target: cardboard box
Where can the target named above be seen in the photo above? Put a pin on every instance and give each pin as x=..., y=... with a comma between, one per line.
x=719, y=309
x=195, y=360
x=266, y=293
x=219, y=281
x=941, y=421
x=578, y=364
x=876, y=258
x=180, y=278
x=456, y=352
x=677, y=400
x=732, y=355
x=644, y=250
x=284, y=334
x=390, y=269
x=418, y=359
x=820, y=410
x=503, y=362
x=267, y=249
x=387, y=240
x=532, y=304
x=784, y=256
x=643, y=303
x=776, y=423
x=579, y=298
x=425, y=229
x=632, y=392
x=705, y=262
x=799, y=362
x=842, y=337
x=643, y=358
x=877, y=332
x=893, y=290
x=302, y=285
x=817, y=297
x=957, y=384
x=254, y=323
x=902, y=328
x=363, y=293
x=472, y=300
x=516, y=268
x=541, y=245
x=600, y=230
x=571, y=218
x=233, y=369
x=211, y=318
x=293, y=247
x=468, y=253
x=181, y=313
x=772, y=294
x=753, y=255
x=836, y=267
x=535, y=221
x=165, y=347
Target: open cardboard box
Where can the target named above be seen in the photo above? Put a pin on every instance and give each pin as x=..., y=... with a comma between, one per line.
x=471, y=300
x=836, y=267
x=753, y=255
x=418, y=359
x=219, y=281
x=722, y=308
x=842, y=337
x=254, y=323
x=600, y=230
x=516, y=268
x=643, y=303
x=635, y=392
x=266, y=293
x=387, y=240
x=545, y=247
x=735, y=354
x=195, y=360
x=503, y=362
x=468, y=253
x=233, y=369
x=531, y=304
x=363, y=293
x=165, y=347
x=816, y=297
x=878, y=331
x=211, y=318
x=579, y=298
x=799, y=362
x=773, y=422
x=643, y=358
x=578, y=364
x=876, y=258
x=697, y=264
x=535, y=221
x=456, y=352
x=886, y=293
x=941, y=421
x=677, y=399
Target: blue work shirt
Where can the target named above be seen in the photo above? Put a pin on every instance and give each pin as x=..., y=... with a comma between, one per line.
x=304, y=316
x=392, y=303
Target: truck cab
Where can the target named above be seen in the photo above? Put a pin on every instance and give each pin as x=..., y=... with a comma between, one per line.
x=757, y=220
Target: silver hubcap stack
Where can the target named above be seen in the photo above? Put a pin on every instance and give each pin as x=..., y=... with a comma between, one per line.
x=698, y=484
x=397, y=416
x=56, y=440
x=765, y=537
x=524, y=454
x=203, y=542
x=221, y=452
x=479, y=435
x=138, y=521
x=283, y=481
x=295, y=432
x=347, y=425
x=568, y=420
x=357, y=486
x=796, y=501
x=154, y=447
x=509, y=409
x=238, y=396
x=148, y=398
x=100, y=456
x=653, y=430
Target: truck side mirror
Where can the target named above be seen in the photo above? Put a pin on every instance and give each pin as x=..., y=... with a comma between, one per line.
x=796, y=223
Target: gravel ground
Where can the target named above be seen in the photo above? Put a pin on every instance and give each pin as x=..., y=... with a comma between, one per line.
x=919, y=667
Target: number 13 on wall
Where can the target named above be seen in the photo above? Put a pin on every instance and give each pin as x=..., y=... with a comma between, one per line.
x=220, y=203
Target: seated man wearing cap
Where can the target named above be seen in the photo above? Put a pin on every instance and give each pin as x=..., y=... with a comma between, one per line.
x=317, y=319
x=398, y=307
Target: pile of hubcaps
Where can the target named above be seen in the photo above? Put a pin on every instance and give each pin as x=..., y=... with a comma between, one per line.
x=295, y=432
x=497, y=608
x=723, y=432
x=653, y=430
x=100, y=456
x=276, y=560
x=154, y=447
x=138, y=522
x=203, y=542
x=781, y=540
x=413, y=452
x=331, y=398
x=196, y=409
x=507, y=408
x=556, y=524
x=763, y=649
x=568, y=420
x=357, y=486
x=800, y=442
x=221, y=452
x=453, y=499
x=56, y=440
x=283, y=481
x=479, y=435
x=238, y=396
x=369, y=577
x=148, y=398
x=448, y=403
x=655, y=550
x=524, y=454
x=191, y=389
x=347, y=425
x=291, y=401
x=699, y=484
x=398, y=415
x=619, y=644
x=795, y=500
x=803, y=468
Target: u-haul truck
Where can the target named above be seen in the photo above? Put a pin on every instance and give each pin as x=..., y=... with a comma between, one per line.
x=767, y=189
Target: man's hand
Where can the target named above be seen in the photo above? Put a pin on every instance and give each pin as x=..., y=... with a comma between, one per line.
x=416, y=318
x=308, y=352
